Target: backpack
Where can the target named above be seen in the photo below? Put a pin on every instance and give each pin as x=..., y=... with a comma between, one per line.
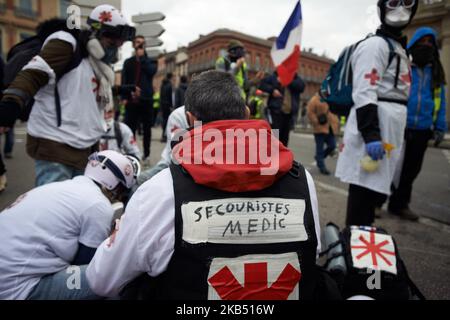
x=24, y=51
x=355, y=274
x=337, y=87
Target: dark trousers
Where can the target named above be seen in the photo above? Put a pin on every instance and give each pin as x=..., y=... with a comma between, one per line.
x=137, y=113
x=361, y=205
x=155, y=117
x=166, y=110
x=416, y=144
x=282, y=122
x=321, y=152
x=2, y=166
x=9, y=141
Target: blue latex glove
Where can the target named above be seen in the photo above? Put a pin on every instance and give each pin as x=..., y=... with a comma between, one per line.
x=375, y=150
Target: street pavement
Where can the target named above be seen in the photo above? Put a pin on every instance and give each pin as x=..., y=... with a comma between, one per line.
x=424, y=245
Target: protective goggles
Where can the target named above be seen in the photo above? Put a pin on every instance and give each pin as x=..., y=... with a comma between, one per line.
x=123, y=32
x=394, y=4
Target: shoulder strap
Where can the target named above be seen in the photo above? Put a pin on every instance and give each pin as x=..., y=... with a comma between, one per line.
x=118, y=133
x=76, y=60
x=392, y=56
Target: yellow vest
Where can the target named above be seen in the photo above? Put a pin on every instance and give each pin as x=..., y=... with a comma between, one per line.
x=437, y=103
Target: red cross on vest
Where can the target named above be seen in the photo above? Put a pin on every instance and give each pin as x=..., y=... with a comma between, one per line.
x=95, y=84
x=373, y=77
x=375, y=250
x=255, y=284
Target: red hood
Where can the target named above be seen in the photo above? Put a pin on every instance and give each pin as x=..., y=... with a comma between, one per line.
x=203, y=154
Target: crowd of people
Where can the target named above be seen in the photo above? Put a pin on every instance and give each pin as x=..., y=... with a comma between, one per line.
x=186, y=221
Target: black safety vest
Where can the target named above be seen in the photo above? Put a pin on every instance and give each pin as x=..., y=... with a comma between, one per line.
x=188, y=272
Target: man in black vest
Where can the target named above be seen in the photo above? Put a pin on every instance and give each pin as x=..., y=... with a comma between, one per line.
x=235, y=219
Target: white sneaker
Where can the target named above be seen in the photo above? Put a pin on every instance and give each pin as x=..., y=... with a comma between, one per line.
x=3, y=183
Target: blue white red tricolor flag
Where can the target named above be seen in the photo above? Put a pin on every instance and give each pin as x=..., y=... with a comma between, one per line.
x=286, y=49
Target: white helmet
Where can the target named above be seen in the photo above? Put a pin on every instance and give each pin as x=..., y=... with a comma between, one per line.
x=109, y=168
x=107, y=19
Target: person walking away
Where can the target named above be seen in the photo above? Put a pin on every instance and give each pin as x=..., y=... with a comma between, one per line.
x=167, y=102
x=426, y=116
x=282, y=102
x=376, y=125
x=139, y=70
x=326, y=126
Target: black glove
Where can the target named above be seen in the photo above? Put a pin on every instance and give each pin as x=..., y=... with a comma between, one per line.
x=9, y=113
x=438, y=137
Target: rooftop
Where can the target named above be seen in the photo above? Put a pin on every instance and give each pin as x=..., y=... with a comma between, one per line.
x=232, y=34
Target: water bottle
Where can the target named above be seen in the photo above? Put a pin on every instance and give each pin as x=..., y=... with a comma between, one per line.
x=337, y=264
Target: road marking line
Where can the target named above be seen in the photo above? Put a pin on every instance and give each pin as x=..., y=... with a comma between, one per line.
x=424, y=252
x=20, y=132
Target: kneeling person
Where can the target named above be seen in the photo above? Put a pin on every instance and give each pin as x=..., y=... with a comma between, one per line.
x=59, y=225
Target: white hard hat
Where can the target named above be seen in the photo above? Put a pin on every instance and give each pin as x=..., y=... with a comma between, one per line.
x=107, y=19
x=109, y=168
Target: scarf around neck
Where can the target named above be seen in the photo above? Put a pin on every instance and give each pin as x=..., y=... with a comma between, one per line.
x=104, y=74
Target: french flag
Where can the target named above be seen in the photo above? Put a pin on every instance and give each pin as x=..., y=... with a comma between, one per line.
x=286, y=49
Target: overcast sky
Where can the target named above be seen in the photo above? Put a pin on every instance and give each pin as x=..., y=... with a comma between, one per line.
x=329, y=25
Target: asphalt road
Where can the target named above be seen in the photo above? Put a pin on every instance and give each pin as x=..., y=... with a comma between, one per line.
x=424, y=245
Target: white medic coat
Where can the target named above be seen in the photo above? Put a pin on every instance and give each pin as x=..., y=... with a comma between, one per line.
x=82, y=118
x=374, y=79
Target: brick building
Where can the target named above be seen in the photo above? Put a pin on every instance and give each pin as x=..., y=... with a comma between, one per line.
x=19, y=18
x=175, y=62
x=204, y=52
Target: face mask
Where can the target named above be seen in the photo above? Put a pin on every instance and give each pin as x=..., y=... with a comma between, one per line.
x=236, y=53
x=422, y=55
x=398, y=17
x=110, y=55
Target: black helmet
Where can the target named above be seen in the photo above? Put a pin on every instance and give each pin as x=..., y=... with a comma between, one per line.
x=382, y=11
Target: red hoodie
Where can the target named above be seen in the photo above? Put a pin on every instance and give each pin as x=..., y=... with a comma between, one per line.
x=234, y=155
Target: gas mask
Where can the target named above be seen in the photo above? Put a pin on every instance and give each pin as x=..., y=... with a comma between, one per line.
x=111, y=55
x=398, y=17
x=107, y=55
x=236, y=54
